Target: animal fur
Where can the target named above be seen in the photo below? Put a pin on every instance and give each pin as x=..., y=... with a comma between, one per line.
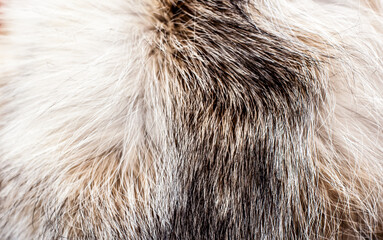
x=193, y=119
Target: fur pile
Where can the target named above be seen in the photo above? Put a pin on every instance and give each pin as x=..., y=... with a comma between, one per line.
x=191, y=119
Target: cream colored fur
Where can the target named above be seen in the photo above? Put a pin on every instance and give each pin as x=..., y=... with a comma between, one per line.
x=80, y=97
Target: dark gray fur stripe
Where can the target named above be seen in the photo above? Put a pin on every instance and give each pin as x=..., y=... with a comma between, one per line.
x=242, y=107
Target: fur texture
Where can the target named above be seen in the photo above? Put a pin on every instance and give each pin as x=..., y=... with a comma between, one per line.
x=197, y=119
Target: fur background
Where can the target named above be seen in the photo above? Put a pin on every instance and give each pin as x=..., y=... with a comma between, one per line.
x=194, y=119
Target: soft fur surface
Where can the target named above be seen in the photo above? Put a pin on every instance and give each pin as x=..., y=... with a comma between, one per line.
x=194, y=119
